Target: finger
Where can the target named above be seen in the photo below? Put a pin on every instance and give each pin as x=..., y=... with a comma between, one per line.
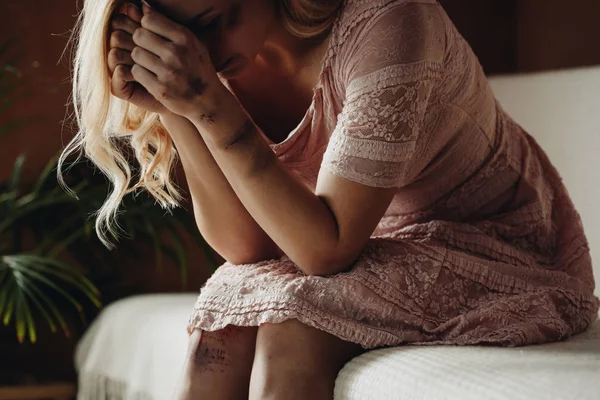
x=146, y=78
x=149, y=61
x=121, y=83
x=122, y=40
x=152, y=42
x=125, y=87
x=134, y=13
x=162, y=25
x=119, y=57
x=124, y=23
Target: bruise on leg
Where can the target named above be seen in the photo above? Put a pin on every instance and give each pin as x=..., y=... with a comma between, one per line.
x=211, y=353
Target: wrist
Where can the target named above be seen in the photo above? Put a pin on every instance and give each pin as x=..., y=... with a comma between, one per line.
x=210, y=103
x=166, y=116
x=220, y=118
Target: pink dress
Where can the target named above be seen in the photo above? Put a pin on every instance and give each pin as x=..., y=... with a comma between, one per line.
x=481, y=244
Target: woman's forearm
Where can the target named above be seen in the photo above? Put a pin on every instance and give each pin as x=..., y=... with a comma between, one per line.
x=222, y=219
x=299, y=222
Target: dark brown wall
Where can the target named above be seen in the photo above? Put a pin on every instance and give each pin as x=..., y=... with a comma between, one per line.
x=555, y=34
x=490, y=27
x=39, y=30
x=529, y=35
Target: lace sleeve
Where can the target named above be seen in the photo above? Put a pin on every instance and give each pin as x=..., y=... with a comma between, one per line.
x=391, y=72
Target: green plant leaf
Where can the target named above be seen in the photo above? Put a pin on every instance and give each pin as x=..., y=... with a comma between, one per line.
x=41, y=278
x=69, y=276
x=43, y=178
x=61, y=245
x=8, y=197
x=20, y=317
x=30, y=208
x=29, y=323
x=5, y=285
x=54, y=238
x=16, y=173
x=10, y=304
x=27, y=289
x=50, y=304
x=35, y=265
x=23, y=318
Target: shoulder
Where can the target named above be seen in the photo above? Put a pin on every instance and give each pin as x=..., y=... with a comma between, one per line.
x=375, y=34
x=357, y=16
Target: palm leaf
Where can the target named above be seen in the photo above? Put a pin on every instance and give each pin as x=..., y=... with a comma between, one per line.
x=36, y=267
x=10, y=303
x=64, y=272
x=29, y=321
x=27, y=289
x=4, y=282
x=23, y=271
x=20, y=317
x=16, y=173
x=43, y=178
x=50, y=304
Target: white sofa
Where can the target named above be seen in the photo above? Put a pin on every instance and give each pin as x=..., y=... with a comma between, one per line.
x=135, y=348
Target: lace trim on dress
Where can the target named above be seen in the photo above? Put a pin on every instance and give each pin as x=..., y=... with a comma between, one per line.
x=377, y=130
x=393, y=75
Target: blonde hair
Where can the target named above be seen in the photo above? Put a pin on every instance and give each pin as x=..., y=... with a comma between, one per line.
x=309, y=18
x=108, y=127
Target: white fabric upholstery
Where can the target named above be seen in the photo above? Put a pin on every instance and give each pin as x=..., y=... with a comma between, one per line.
x=559, y=371
x=136, y=348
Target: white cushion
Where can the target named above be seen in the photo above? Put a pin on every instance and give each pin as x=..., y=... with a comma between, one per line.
x=567, y=370
x=135, y=349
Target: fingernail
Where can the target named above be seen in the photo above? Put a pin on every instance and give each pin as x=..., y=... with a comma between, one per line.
x=145, y=3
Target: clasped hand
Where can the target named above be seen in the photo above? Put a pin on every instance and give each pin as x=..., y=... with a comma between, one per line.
x=162, y=67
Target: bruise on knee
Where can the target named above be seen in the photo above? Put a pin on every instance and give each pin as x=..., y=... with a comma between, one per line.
x=211, y=353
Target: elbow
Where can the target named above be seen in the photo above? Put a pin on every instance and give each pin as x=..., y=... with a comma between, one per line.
x=250, y=255
x=242, y=252
x=238, y=258
x=324, y=266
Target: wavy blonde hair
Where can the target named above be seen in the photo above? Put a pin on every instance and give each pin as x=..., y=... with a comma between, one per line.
x=309, y=18
x=108, y=127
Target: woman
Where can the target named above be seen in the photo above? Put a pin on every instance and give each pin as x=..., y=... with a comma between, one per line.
x=349, y=161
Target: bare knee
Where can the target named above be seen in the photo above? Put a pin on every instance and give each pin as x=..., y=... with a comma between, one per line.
x=293, y=357
x=218, y=364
